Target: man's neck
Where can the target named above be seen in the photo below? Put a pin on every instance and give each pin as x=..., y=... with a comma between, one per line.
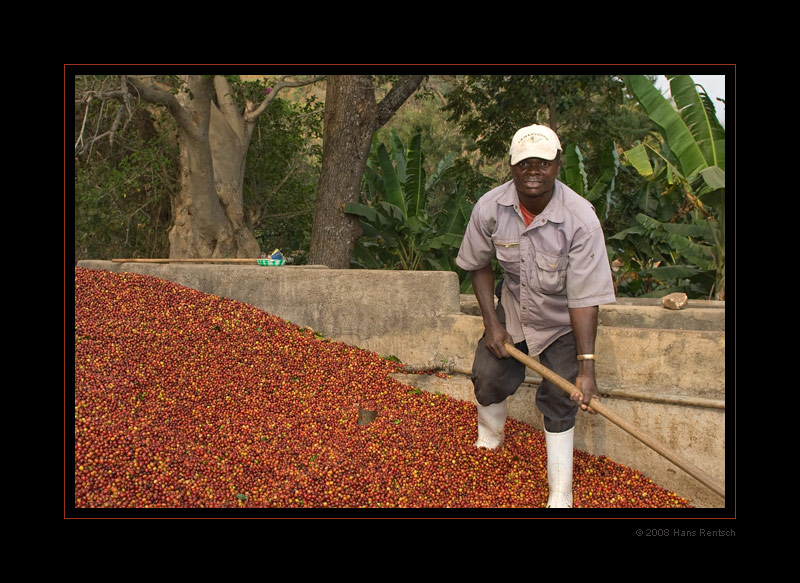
x=535, y=205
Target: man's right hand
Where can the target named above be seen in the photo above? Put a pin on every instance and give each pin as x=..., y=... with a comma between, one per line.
x=496, y=334
x=495, y=340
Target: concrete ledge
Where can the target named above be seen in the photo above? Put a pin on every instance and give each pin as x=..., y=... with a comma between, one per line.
x=646, y=313
x=693, y=317
x=336, y=303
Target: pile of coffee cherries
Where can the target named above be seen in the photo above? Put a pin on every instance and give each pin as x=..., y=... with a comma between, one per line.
x=190, y=400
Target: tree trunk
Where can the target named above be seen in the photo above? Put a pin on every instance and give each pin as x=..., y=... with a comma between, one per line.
x=208, y=214
x=351, y=118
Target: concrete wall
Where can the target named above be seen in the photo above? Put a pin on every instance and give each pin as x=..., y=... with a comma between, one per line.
x=662, y=370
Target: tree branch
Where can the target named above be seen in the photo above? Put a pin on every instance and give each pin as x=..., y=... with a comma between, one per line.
x=162, y=97
x=102, y=95
x=397, y=97
x=227, y=106
x=253, y=111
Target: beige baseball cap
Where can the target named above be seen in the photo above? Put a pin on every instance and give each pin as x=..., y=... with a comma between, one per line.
x=534, y=142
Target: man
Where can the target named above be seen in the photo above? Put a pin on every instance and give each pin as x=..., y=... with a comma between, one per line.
x=551, y=247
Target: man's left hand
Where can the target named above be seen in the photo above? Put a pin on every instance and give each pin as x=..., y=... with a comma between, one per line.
x=588, y=387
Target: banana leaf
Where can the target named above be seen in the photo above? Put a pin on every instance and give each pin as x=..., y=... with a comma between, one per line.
x=452, y=240
x=374, y=182
x=600, y=193
x=393, y=192
x=574, y=171
x=418, y=225
x=444, y=165
x=453, y=217
x=699, y=115
x=392, y=211
x=639, y=159
x=677, y=134
x=622, y=235
x=654, y=225
x=399, y=156
x=415, y=191
x=367, y=256
x=355, y=208
x=678, y=237
x=710, y=186
x=672, y=272
x=437, y=264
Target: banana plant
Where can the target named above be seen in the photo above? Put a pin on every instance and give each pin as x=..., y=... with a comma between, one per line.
x=401, y=228
x=692, y=161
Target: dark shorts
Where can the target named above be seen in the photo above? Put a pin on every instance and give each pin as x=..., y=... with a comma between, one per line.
x=495, y=378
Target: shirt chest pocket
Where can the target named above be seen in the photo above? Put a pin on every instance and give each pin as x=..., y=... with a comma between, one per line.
x=551, y=272
x=507, y=251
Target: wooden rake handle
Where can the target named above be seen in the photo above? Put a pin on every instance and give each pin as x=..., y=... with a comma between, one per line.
x=601, y=409
x=206, y=260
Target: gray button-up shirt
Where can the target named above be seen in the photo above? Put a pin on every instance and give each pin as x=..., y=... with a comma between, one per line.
x=556, y=263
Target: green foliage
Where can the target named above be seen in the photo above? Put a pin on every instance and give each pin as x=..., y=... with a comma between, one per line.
x=281, y=174
x=584, y=109
x=412, y=220
x=676, y=241
x=422, y=114
x=122, y=198
x=666, y=257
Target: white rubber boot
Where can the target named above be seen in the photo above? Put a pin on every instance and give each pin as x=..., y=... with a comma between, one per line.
x=559, y=468
x=491, y=425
